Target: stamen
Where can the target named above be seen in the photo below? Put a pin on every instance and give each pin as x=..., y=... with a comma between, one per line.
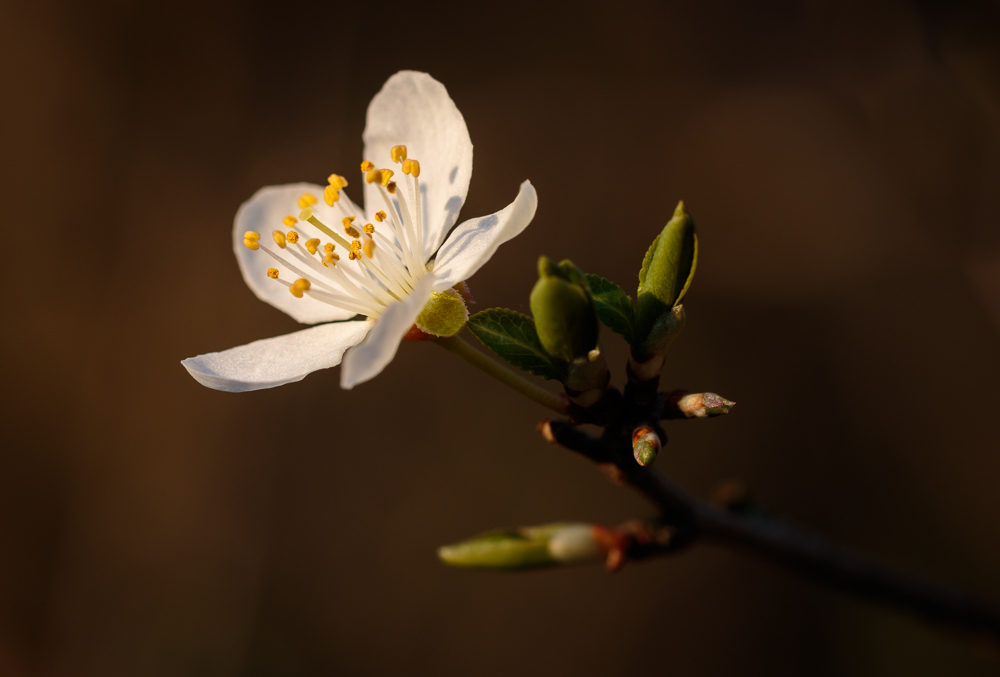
x=369, y=228
x=380, y=216
x=386, y=243
x=400, y=230
x=398, y=153
x=250, y=240
x=312, y=245
x=369, y=247
x=292, y=237
x=349, y=228
x=337, y=181
x=386, y=175
x=414, y=247
x=272, y=273
x=329, y=247
x=307, y=200
x=307, y=215
x=411, y=167
x=347, y=303
x=417, y=208
x=299, y=286
x=367, y=166
x=279, y=239
x=391, y=187
x=292, y=267
x=360, y=285
x=330, y=195
x=289, y=221
x=331, y=259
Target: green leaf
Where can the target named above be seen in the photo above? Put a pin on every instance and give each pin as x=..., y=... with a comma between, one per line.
x=647, y=260
x=667, y=271
x=500, y=549
x=512, y=336
x=613, y=305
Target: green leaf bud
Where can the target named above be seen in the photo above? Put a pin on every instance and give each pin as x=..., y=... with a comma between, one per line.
x=563, y=310
x=527, y=547
x=666, y=274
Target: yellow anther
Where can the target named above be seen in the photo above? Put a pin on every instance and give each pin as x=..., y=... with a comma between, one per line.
x=312, y=245
x=337, y=181
x=329, y=247
x=355, y=245
x=367, y=166
x=373, y=175
x=272, y=273
x=299, y=286
x=331, y=259
x=369, y=247
x=292, y=237
x=290, y=220
x=330, y=195
x=369, y=228
x=352, y=256
x=386, y=175
x=380, y=216
x=391, y=188
x=251, y=235
x=307, y=200
x=398, y=153
x=279, y=238
x=411, y=167
x=251, y=244
x=306, y=214
x=348, y=228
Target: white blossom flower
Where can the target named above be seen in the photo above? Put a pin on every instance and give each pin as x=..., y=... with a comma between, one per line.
x=395, y=261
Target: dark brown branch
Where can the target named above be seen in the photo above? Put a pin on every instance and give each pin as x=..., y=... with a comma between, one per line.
x=693, y=520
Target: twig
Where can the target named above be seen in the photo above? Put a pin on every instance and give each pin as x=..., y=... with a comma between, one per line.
x=694, y=520
x=457, y=346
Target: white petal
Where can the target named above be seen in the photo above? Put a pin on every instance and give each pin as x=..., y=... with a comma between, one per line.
x=263, y=213
x=472, y=243
x=368, y=359
x=415, y=110
x=279, y=360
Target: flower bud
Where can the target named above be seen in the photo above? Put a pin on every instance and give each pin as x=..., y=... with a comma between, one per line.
x=554, y=544
x=666, y=274
x=564, y=313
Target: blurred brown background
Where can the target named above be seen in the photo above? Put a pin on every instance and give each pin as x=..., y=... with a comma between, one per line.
x=842, y=162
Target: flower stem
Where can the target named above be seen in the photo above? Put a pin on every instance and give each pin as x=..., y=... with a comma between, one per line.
x=462, y=349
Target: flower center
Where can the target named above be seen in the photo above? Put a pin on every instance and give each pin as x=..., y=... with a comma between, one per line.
x=383, y=262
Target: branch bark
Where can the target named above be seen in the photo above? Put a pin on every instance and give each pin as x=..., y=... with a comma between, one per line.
x=697, y=521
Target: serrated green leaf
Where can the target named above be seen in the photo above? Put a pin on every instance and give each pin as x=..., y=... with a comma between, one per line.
x=647, y=260
x=613, y=305
x=512, y=337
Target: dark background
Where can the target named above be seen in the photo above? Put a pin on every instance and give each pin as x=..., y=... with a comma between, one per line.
x=842, y=161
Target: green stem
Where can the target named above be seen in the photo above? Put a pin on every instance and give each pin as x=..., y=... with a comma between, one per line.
x=461, y=348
